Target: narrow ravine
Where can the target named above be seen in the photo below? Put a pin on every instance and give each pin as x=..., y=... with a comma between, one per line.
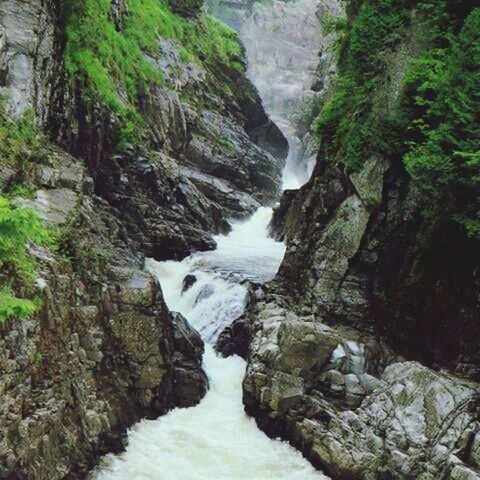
x=282, y=42
x=216, y=440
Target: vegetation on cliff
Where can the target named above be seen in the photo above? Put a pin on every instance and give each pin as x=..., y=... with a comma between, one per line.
x=114, y=65
x=433, y=124
x=19, y=227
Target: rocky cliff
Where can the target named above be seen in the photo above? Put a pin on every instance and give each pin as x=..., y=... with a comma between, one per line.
x=363, y=352
x=103, y=351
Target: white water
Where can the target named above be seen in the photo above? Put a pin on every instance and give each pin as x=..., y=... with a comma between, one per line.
x=215, y=440
x=282, y=41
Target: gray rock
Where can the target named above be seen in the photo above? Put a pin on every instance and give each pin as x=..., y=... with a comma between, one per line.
x=206, y=292
x=337, y=396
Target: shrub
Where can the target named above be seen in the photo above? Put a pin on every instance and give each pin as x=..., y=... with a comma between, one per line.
x=18, y=228
x=433, y=128
x=113, y=66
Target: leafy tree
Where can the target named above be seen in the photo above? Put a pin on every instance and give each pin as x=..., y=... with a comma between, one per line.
x=434, y=126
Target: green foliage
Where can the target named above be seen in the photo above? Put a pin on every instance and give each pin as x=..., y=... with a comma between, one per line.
x=18, y=139
x=113, y=66
x=350, y=118
x=13, y=307
x=433, y=127
x=18, y=228
x=442, y=95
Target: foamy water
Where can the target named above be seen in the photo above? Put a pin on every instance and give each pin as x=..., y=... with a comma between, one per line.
x=215, y=440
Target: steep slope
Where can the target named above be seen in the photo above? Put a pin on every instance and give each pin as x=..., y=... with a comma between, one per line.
x=382, y=259
x=379, y=249
x=131, y=130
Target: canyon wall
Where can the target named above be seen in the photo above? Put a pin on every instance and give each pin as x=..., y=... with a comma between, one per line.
x=104, y=351
x=363, y=352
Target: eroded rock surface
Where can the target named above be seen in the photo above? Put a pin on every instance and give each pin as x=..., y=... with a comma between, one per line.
x=354, y=407
x=103, y=352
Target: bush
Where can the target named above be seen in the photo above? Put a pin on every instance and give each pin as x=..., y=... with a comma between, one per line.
x=18, y=228
x=442, y=94
x=18, y=139
x=113, y=67
x=433, y=128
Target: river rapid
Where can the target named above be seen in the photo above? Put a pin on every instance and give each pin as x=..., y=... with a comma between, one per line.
x=216, y=440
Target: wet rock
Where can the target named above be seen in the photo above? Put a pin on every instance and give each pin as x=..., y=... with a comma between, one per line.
x=399, y=420
x=189, y=385
x=188, y=282
x=206, y=292
x=186, y=7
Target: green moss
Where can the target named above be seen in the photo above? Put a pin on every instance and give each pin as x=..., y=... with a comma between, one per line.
x=18, y=139
x=225, y=143
x=113, y=67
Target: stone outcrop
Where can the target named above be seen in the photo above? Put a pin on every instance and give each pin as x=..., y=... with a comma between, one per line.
x=27, y=54
x=363, y=351
x=354, y=407
x=103, y=352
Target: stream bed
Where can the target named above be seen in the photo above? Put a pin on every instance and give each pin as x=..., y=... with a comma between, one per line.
x=216, y=440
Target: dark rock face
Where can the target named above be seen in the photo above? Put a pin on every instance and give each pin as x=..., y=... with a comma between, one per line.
x=188, y=8
x=353, y=243
x=103, y=352
x=207, y=158
x=188, y=282
x=237, y=337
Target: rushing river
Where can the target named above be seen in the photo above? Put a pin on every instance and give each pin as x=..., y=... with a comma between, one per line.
x=216, y=440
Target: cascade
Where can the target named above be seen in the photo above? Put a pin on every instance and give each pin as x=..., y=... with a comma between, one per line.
x=216, y=440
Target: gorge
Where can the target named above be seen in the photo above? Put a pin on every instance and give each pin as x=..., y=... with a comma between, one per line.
x=247, y=254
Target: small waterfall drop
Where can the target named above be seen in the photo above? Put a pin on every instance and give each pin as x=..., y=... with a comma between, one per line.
x=216, y=440
x=283, y=40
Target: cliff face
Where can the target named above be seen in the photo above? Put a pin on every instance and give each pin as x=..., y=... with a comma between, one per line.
x=104, y=351
x=367, y=253
x=208, y=151
x=346, y=346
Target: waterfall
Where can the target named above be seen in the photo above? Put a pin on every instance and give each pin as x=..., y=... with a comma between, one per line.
x=282, y=42
x=216, y=440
